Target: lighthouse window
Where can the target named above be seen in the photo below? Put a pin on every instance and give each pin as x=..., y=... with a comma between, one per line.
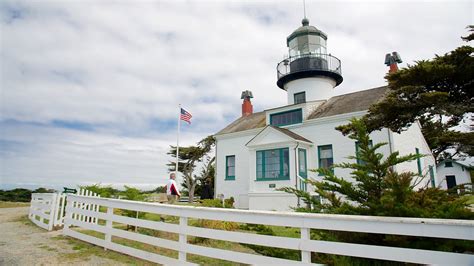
x=287, y=118
x=300, y=97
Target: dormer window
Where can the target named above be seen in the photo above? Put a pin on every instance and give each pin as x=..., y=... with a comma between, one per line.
x=300, y=97
x=287, y=118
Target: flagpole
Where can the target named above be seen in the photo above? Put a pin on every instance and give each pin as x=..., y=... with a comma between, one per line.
x=177, y=141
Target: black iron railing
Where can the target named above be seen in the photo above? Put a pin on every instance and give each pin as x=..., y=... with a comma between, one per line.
x=319, y=62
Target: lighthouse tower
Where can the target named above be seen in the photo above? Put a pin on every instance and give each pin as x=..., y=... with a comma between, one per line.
x=309, y=73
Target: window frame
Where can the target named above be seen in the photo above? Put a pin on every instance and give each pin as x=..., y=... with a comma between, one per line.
x=286, y=112
x=305, y=173
x=303, y=185
x=319, y=157
x=281, y=164
x=298, y=94
x=446, y=164
x=227, y=176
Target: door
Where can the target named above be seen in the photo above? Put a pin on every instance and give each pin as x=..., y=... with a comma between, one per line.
x=451, y=181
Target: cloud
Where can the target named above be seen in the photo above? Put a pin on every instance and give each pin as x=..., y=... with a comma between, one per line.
x=90, y=89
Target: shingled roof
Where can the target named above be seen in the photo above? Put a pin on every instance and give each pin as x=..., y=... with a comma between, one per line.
x=252, y=121
x=342, y=104
x=349, y=103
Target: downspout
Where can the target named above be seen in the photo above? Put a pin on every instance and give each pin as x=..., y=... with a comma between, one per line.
x=389, y=133
x=215, y=173
x=390, y=140
x=296, y=171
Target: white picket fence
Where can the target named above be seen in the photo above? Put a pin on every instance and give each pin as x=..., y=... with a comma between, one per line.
x=434, y=228
x=47, y=210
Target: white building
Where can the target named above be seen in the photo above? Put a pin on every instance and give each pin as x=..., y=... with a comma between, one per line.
x=451, y=173
x=260, y=152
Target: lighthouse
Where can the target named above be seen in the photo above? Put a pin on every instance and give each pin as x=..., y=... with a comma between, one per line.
x=309, y=73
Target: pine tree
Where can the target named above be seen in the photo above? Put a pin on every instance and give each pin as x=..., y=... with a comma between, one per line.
x=439, y=93
x=375, y=189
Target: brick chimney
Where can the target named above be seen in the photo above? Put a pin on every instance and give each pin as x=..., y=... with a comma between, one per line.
x=247, y=108
x=393, y=60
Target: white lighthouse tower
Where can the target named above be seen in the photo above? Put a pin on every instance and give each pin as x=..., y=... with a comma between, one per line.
x=309, y=73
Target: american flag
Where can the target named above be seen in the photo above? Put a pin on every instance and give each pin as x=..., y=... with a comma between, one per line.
x=185, y=116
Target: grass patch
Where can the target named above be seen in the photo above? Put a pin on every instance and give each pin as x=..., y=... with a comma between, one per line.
x=48, y=248
x=9, y=204
x=470, y=200
x=24, y=220
x=85, y=250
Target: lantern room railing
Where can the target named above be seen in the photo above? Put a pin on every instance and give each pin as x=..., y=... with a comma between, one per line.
x=309, y=62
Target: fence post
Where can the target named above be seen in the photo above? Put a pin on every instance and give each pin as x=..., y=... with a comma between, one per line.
x=183, y=239
x=108, y=225
x=61, y=212
x=57, y=216
x=52, y=210
x=305, y=235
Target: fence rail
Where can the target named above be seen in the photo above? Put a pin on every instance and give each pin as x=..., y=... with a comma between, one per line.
x=438, y=228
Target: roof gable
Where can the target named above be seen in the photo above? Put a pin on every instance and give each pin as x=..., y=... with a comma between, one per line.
x=272, y=135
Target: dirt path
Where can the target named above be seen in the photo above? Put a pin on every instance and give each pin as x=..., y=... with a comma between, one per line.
x=23, y=243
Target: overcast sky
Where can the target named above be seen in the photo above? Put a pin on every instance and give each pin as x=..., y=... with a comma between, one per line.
x=89, y=89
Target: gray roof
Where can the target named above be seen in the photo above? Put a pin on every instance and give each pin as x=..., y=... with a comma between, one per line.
x=252, y=121
x=349, y=103
x=342, y=104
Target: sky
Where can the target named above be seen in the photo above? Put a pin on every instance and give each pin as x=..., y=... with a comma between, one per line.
x=89, y=90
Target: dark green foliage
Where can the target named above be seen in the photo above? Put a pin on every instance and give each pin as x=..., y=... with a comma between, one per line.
x=377, y=190
x=103, y=191
x=439, y=93
x=21, y=194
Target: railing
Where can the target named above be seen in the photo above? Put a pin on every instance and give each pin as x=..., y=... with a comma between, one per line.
x=319, y=62
x=437, y=228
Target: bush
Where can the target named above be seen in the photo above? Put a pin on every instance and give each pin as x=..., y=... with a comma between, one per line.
x=217, y=203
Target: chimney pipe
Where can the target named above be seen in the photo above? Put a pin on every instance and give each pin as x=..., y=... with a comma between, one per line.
x=247, y=108
x=393, y=60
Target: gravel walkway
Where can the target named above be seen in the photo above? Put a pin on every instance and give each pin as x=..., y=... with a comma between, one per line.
x=22, y=243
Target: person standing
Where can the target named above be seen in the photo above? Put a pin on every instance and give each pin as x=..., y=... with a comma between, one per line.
x=172, y=189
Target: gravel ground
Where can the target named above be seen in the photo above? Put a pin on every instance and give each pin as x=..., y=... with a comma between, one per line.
x=25, y=244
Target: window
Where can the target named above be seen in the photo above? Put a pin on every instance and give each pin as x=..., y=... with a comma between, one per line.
x=432, y=177
x=286, y=118
x=450, y=181
x=230, y=167
x=300, y=97
x=325, y=156
x=448, y=164
x=359, y=161
x=302, y=168
x=273, y=164
x=418, y=162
